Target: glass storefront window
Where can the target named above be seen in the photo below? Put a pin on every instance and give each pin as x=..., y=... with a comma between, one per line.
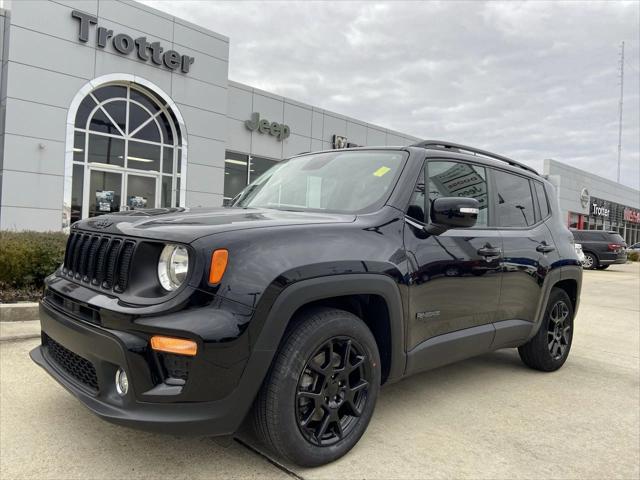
x=106, y=150
x=104, y=192
x=143, y=156
x=167, y=160
x=141, y=192
x=165, y=192
x=84, y=110
x=118, y=112
x=240, y=170
x=118, y=143
x=78, y=146
x=257, y=166
x=235, y=173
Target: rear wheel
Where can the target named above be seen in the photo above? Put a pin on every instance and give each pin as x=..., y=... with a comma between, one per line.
x=549, y=348
x=590, y=261
x=320, y=393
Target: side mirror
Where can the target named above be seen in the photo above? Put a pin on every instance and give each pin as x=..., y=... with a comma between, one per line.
x=453, y=212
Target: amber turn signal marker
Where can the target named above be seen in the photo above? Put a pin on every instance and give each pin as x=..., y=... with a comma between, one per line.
x=219, y=260
x=179, y=346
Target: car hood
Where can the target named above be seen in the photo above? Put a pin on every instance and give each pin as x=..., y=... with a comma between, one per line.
x=186, y=225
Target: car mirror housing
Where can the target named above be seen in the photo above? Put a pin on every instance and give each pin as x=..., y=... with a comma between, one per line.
x=453, y=212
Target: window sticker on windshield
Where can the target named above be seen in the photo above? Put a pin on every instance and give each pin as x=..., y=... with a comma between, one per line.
x=381, y=171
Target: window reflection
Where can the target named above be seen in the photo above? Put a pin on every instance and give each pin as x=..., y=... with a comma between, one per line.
x=106, y=150
x=143, y=156
x=514, y=200
x=452, y=179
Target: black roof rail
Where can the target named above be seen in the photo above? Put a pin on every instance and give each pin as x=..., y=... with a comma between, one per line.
x=438, y=144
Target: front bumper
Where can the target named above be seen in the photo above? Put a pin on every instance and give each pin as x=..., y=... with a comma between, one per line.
x=150, y=403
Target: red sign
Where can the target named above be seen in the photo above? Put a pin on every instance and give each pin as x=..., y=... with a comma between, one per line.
x=631, y=215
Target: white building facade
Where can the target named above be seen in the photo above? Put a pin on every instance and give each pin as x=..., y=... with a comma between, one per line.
x=109, y=105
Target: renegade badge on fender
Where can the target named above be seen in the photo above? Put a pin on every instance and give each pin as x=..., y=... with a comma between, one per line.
x=330, y=275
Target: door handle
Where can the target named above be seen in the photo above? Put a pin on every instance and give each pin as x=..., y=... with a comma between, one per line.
x=544, y=248
x=489, y=251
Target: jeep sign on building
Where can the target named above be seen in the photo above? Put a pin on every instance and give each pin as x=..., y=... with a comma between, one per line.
x=110, y=105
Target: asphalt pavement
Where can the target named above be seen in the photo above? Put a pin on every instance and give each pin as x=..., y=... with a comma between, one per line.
x=488, y=417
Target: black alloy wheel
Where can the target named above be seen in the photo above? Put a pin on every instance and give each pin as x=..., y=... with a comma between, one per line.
x=321, y=390
x=549, y=348
x=332, y=391
x=558, y=329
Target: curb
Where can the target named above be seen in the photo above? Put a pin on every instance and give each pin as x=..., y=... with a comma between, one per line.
x=17, y=338
x=18, y=312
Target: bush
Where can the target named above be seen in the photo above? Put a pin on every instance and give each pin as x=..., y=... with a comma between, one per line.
x=633, y=256
x=26, y=258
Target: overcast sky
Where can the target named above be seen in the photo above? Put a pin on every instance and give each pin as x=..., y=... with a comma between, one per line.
x=530, y=80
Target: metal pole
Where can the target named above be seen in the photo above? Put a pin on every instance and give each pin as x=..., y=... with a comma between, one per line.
x=620, y=107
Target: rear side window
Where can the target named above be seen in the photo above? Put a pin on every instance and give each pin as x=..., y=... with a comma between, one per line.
x=617, y=238
x=514, y=202
x=542, y=199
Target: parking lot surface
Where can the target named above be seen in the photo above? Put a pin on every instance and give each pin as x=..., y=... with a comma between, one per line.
x=487, y=417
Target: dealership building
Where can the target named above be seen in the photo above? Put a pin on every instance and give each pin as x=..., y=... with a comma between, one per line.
x=110, y=105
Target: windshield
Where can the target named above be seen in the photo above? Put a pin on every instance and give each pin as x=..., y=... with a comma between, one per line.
x=340, y=182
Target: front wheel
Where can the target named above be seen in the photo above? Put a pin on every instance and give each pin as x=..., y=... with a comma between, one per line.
x=549, y=348
x=321, y=391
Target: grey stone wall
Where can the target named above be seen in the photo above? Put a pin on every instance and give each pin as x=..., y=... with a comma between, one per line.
x=46, y=67
x=312, y=128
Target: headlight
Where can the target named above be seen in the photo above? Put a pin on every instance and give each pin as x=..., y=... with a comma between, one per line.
x=173, y=266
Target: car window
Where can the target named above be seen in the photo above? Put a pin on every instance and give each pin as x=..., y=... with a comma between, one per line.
x=417, y=202
x=514, y=202
x=616, y=237
x=340, y=182
x=453, y=179
x=542, y=199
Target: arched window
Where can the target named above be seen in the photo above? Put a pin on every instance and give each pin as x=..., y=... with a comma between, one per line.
x=127, y=152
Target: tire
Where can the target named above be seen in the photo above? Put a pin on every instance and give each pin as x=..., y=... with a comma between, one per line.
x=590, y=261
x=602, y=267
x=549, y=348
x=307, y=409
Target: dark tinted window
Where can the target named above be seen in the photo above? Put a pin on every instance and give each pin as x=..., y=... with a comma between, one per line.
x=235, y=173
x=542, y=199
x=514, y=203
x=258, y=166
x=616, y=237
x=451, y=179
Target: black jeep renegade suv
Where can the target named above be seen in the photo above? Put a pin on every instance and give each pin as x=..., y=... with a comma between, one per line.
x=331, y=274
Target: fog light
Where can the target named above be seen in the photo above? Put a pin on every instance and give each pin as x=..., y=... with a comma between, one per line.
x=122, y=382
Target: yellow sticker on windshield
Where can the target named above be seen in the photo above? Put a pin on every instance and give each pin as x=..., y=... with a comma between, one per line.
x=381, y=171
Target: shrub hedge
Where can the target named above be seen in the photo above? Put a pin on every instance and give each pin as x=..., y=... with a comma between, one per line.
x=26, y=258
x=633, y=256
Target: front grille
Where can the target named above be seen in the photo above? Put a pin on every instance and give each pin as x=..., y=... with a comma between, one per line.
x=101, y=260
x=76, y=366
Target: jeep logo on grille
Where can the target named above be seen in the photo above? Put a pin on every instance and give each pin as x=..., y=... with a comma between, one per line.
x=101, y=222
